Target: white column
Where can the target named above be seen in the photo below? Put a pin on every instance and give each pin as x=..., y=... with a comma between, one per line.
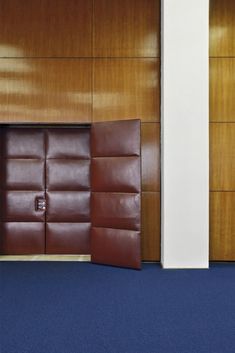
x=184, y=133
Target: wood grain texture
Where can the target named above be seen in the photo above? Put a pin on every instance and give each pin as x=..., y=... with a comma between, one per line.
x=150, y=236
x=45, y=90
x=222, y=156
x=222, y=226
x=222, y=28
x=150, y=156
x=45, y=28
x=222, y=90
x=126, y=28
x=126, y=89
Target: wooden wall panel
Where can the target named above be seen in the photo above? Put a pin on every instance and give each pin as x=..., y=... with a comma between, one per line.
x=222, y=28
x=45, y=28
x=222, y=156
x=150, y=235
x=45, y=90
x=222, y=89
x=126, y=28
x=222, y=130
x=150, y=137
x=87, y=60
x=126, y=89
x=222, y=226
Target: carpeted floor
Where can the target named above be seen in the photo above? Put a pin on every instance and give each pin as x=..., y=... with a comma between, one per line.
x=83, y=308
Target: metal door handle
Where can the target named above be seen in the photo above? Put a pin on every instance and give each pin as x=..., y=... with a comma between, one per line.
x=40, y=204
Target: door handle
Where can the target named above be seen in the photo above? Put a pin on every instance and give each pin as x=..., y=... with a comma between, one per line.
x=40, y=204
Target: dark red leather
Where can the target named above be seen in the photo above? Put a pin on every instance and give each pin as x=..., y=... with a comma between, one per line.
x=45, y=165
x=115, y=201
x=22, y=173
x=68, y=191
x=66, y=174
x=23, y=238
x=117, y=247
x=68, y=143
x=68, y=206
x=54, y=196
x=121, y=174
x=116, y=210
x=68, y=238
x=116, y=138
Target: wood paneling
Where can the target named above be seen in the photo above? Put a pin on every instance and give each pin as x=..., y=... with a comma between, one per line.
x=222, y=129
x=45, y=28
x=126, y=89
x=222, y=156
x=119, y=79
x=150, y=151
x=222, y=226
x=222, y=28
x=222, y=89
x=150, y=226
x=126, y=28
x=45, y=90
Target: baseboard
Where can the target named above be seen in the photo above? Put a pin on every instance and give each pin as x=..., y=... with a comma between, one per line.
x=81, y=258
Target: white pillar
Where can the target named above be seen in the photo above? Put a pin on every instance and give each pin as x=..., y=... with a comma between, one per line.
x=185, y=138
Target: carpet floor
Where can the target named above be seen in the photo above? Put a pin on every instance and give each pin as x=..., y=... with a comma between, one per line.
x=54, y=307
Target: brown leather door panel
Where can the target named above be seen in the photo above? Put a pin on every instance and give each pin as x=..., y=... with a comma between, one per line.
x=115, y=201
x=68, y=191
x=72, y=191
x=22, y=185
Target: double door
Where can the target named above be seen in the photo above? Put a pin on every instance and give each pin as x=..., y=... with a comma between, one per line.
x=45, y=191
x=72, y=190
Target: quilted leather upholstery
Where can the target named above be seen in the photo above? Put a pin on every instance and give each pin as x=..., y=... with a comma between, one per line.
x=51, y=165
x=115, y=202
x=22, y=181
x=60, y=196
x=68, y=191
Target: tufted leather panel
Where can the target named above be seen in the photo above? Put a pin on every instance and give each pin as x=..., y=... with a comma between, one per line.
x=115, y=200
x=24, y=174
x=20, y=206
x=45, y=167
x=115, y=138
x=116, y=210
x=121, y=174
x=48, y=203
x=68, y=238
x=68, y=190
x=66, y=174
x=22, y=169
x=23, y=143
x=23, y=238
x=68, y=206
x=118, y=247
x=68, y=143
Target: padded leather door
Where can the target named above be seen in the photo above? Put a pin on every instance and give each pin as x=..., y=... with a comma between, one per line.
x=22, y=186
x=68, y=191
x=115, y=199
x=45, y=191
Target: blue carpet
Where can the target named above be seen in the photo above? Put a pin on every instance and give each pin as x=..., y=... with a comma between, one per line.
x=82, y=308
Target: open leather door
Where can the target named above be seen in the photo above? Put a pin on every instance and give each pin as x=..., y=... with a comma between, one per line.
x=115, y=193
